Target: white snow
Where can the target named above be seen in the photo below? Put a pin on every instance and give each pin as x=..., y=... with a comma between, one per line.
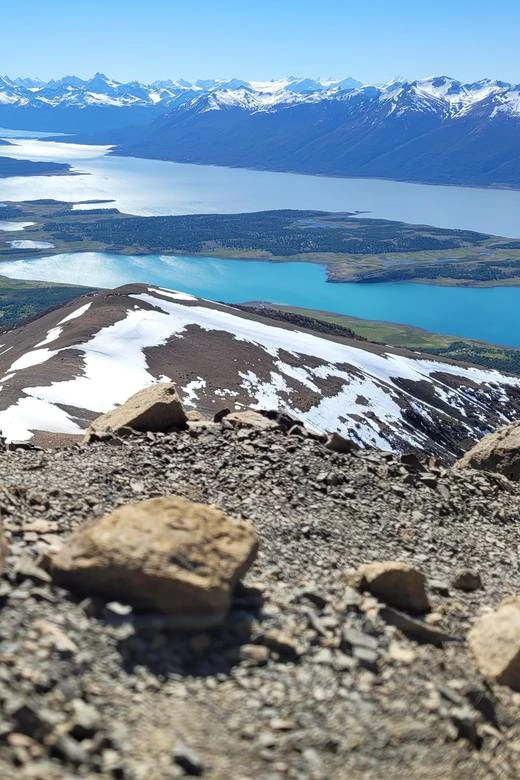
x=76, y=313
x=32, y=358
x=20, y=420
x=115, y=367
x=52, y=335
x=189, y=393
x=26, y=244
x=14, y=227
x=451, y=96
x=174, y=294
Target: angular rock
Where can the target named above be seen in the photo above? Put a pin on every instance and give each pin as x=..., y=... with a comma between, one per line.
x=86, y=719
x=250, y=419
x=156, y=408
x=415, y=629
x=500, y=452
x=495, y=643
x=280, y=643
x=26, y=568
x=194, y=415
x=338, y=443
x=188, y=760
x=164, y=554
x=219, y=416
x=395, y=583
x=467, y=580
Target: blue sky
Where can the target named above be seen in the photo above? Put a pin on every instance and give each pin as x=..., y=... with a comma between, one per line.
x=373, y=40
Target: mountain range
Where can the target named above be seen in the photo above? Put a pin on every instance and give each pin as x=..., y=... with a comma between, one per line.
x=72, y=104
x=436, y=130
x=63, y=369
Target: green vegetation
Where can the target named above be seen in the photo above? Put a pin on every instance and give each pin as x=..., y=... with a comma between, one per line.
x=21, y=301
x=404, y=336
x=13, y=167
x=352, y=248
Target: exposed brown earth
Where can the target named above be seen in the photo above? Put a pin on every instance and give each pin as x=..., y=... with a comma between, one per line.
x=221, y=356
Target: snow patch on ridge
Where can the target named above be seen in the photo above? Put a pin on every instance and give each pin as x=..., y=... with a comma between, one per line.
x=189, y=393
x=27, y=415
x=367, y=405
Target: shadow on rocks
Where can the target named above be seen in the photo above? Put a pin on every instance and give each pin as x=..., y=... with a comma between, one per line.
x=165, y=646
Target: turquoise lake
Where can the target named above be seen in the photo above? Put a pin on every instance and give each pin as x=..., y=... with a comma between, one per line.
x=155, y=187
x=491, y=314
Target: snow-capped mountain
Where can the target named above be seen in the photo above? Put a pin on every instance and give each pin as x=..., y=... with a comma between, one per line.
x=62, y=370
x=435, y=130
x=72, y=104
x=101, y=90
x=435, y=94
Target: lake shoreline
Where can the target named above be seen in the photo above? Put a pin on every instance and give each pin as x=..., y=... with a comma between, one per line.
x=351, y=247
x=442, y=310
x=150, y=186
x=291, y=172
x=31, y=254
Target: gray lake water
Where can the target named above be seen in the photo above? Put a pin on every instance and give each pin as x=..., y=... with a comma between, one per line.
x=149, y=187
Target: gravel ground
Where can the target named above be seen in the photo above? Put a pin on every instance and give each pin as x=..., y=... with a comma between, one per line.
x=307, y=679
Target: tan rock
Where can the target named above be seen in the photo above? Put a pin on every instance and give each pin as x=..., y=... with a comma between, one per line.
x=495, y=643
x=156, y=408
x=339, y=443
x=194, y=415
x=401, y=653
x=250, y=419
x=395, y=583
x=163, y=554
x=199, y=426
x=500, y=452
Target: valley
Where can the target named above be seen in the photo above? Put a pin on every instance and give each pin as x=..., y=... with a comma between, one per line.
x=21, y=301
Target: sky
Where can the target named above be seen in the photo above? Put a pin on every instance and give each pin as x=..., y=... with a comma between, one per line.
x=372, y=40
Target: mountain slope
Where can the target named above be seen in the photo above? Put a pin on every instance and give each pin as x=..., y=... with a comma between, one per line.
x=406, y=131
x=72, y=105
x=64, y=369
x=435, y=130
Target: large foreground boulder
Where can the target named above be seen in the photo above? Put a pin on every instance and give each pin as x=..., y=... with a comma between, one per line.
x=495, y=643
x=156, y=408
x=163, y=554
x=500, y=451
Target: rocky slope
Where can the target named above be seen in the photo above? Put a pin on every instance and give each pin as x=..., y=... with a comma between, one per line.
x=62, y=370
x=308, y=677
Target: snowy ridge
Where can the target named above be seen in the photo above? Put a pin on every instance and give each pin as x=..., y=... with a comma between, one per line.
x=71, y=368
x=441, y=94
